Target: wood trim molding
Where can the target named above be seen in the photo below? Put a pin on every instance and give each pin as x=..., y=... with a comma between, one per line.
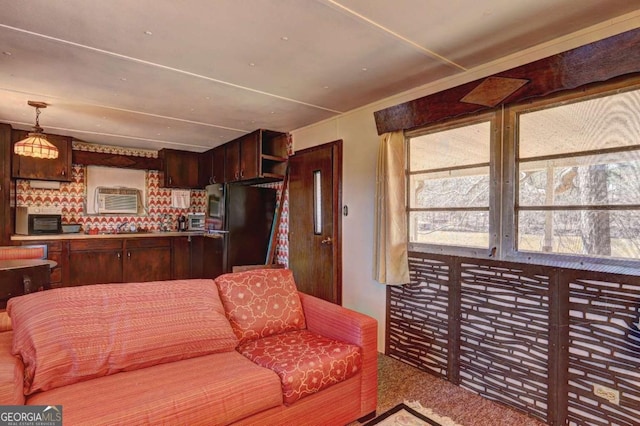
x=595, y=62
x=87, y=158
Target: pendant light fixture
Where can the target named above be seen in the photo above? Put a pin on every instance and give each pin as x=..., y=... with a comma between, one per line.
x=36, y=143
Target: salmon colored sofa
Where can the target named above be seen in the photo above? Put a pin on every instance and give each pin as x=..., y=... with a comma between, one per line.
x=246, y=348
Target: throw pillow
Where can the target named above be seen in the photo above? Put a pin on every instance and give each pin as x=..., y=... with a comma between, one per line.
x=261, y=302
x=72, y=334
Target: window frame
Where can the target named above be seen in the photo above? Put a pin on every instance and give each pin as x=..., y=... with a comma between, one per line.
x=504, y=184
x=495, y=121
x=510, y=232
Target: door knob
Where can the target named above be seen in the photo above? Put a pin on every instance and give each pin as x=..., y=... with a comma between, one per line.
x=326, y=241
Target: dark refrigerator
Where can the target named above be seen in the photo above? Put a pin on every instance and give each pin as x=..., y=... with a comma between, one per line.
x=239, y=226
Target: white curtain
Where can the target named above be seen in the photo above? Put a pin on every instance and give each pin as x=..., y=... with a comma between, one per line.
x=390, y=263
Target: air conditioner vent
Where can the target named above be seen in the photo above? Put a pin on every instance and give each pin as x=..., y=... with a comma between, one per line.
x=117, y=200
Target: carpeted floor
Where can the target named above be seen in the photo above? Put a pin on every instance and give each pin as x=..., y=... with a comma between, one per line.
x=398, y=382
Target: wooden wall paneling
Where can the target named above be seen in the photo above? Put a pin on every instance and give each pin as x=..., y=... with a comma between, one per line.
x=418, y=324
x=534, y=337
x=558, y=347
x=604, y=347
x=6, y=192
x=455, y=315
x=596, y=62
x=504, y=333
x=87, y=158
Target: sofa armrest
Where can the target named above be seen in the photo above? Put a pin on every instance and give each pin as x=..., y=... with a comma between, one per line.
x=339, y=323
x=11, y=373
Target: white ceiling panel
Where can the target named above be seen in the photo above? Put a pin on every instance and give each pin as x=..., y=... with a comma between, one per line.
x=203, y=72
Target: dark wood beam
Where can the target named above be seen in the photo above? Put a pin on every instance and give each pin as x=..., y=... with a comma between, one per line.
x=595, y=62
x=87, y=158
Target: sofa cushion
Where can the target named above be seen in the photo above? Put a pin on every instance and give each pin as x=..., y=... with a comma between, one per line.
x=261, y=303
x=305, y=362
x=72, y=334
x=215, y=389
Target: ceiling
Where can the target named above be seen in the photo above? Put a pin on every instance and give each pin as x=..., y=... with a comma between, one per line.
x=194, y=74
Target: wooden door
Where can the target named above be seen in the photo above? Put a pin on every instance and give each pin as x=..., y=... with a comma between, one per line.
x=147, y=259
x=95, y=267
x=315, y=238
x=181, y=258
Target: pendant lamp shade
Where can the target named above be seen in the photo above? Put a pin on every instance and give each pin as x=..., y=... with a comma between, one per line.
x=36, y=143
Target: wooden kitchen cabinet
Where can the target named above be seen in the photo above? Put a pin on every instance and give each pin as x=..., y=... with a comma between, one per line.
x=212, y=166
x=186, y=257
x=19, y=280
x=105, y=260
x=232, y=164
x=57, y=251
x=146, y=259
x=180, y=168
x=260, y=156
x=58, y=169
x=95, y=261
x=213, y=262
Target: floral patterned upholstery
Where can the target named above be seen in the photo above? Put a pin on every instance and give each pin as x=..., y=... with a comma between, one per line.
x=305, y=362
x=261, y=303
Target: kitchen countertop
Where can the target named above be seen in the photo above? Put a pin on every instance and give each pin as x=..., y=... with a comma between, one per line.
x=80, y=236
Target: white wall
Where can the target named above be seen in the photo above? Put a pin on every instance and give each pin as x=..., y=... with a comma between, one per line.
x=357, y=129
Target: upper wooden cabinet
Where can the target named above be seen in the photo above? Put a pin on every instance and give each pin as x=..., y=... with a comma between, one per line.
x=259, y=156
x=212, y=166
x=58, y=169
x=180, y=168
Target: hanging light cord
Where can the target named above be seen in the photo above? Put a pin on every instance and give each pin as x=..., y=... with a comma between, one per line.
x=37, y=127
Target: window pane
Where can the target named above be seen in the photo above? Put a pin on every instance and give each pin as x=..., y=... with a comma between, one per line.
x=457, y=188
x=317, y=202
x=611, y=179
x=607, y=233
x=607, y=122
x=450, y=148
x=467, y=229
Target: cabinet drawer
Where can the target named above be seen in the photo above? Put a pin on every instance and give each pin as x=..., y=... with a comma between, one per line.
x=101, y=244
x=154, y=242
x=54, y=246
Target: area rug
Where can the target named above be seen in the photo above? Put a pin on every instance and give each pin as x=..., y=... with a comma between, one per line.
x=411, y=414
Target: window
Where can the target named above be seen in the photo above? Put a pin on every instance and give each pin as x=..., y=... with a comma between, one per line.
x=579, y=177
x=449, y=192
x=553, y=180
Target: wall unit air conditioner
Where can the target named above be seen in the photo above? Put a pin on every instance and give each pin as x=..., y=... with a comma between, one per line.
x=117, y=200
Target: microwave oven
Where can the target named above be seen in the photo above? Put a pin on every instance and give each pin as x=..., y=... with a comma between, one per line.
x=38, y=220
x=195, y=221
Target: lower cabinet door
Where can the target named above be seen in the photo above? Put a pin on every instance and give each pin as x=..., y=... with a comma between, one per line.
x=148, y=264
x=95, y=267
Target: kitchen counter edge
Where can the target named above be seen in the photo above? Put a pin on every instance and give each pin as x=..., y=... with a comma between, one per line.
x=99, y=236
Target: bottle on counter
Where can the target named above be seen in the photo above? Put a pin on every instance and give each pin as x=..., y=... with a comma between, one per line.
x=182, y=223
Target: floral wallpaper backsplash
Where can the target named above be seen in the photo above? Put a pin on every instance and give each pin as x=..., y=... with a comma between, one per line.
x=71, y=197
